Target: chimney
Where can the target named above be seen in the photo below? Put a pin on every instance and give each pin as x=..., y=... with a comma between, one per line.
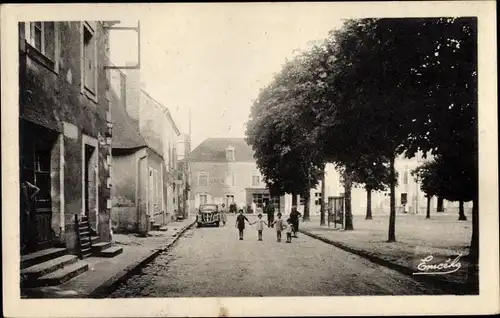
x=132, y=92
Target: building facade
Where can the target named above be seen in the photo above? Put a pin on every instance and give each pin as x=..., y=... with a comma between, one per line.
x=152, y=122
x=223, y=170
x=407, y=192
x=64, y=133
x=136, y=170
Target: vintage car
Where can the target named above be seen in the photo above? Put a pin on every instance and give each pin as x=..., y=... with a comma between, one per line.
x=208, y=214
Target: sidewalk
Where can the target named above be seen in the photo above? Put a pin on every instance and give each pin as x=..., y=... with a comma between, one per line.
x=106, y=273
x=443, y=237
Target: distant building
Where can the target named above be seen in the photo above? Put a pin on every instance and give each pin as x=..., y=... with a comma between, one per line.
x=407, y=191
x=137, y=173
x=223, y=170
x=149, y=185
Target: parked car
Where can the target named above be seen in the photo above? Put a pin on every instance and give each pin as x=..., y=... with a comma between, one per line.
x=208, y=214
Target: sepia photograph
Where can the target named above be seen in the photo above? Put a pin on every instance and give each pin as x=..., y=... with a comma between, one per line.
x=198, y=152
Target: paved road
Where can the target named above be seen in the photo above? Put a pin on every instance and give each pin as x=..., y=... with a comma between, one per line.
x=211, y=262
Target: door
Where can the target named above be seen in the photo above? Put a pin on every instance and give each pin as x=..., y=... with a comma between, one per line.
x=142, y=195
x=43, y=201
x=89, y=185
x=151, y=192
x=229, y=200
x=36, y=147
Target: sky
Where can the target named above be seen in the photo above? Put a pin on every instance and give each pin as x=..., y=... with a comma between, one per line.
x=214, y=60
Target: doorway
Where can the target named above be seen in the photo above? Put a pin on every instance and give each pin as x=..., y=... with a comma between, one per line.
x=229, y=200
x=90, y=187
x=36, y=145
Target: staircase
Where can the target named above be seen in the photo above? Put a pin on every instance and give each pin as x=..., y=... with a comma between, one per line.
x=50, y=267
x=89, y=245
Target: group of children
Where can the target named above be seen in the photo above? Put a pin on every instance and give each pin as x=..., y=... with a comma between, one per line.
x=278, y=223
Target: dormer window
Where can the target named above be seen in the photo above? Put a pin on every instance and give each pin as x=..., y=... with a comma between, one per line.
x=230, y=153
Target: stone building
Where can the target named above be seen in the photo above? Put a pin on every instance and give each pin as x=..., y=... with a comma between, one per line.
x=223, y=170
x=147, y=185
x=64, y=134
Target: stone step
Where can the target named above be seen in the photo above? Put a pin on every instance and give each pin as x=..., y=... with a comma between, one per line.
x=84, y=233
x=110, y=251
x=85, y=244
x=155, y=226
x=41, y=256
x=98, y=247
x=62, y=275
x=47, y=267
x=94, y=239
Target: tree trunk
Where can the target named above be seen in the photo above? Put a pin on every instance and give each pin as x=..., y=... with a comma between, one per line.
x=294, y=199
x=440, y=207
x=428, y=216
x=368, y=204
x=474, y=244
x=461, y=214
x=392, y=215
x=347, y=202
x=307, y=199
x=323, y=199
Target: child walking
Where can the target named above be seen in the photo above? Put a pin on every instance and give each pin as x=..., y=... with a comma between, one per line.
x=279, y=227
x=289, y=231
x=240, y=223
x=260, y=226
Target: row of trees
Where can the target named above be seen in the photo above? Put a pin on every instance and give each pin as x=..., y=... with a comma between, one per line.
x=371, y=91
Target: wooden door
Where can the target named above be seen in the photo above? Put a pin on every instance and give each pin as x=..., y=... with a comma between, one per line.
x=36, y=147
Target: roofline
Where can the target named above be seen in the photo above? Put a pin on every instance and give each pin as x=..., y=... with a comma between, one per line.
x=165, y=110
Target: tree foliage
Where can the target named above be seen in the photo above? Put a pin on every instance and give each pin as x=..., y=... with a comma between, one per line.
x=279, y=132
x=371, y=91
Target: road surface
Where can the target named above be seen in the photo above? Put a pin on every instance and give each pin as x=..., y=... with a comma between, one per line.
x=212, y=262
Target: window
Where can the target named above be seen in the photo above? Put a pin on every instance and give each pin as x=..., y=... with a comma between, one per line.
x=317, y=198
x=404, y=198
x=230, y=154
x=405, y=177
x=203, y=199
x=42, y=37
x=203, y=179
x=89, y=59
x=255, y=180
x=260, y=198
x=230, y=179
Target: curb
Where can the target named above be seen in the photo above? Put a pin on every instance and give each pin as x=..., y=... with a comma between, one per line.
x=104, y=289
x=447, y=286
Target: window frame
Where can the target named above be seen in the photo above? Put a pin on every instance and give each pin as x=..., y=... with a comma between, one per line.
x=40, y=55
x=230, y=151
x=202, y=195
x=233, y=182
x=258, y=176
x=91, y=27
x=203, y=174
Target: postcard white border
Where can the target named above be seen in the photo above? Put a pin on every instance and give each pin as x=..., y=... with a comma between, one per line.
x=487, y=302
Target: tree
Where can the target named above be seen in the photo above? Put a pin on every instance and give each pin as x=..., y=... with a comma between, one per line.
x=373, y=175
x=447, y=82
x=401, y=100
x=323, y=199
x=428, y=176
x=279, y=132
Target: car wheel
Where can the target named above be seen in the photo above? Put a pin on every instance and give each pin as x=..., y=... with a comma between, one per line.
x=217, y=224
x=199, y=225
